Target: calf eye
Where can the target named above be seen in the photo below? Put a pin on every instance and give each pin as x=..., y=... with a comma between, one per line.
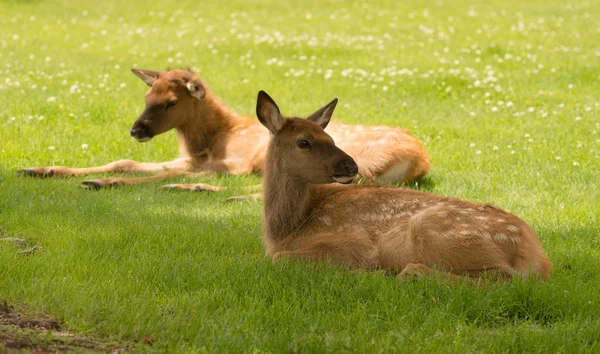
x=171, y=104
x=303, y=144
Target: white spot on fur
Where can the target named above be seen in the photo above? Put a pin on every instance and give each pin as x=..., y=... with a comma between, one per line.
x=326, y=220
x=500, y=237
x=513, y=228
x=515, y=240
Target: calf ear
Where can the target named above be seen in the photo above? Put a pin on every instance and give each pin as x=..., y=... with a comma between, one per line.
x=268, y=112
x=323, y=115
x=196, y=89
x=147, y=76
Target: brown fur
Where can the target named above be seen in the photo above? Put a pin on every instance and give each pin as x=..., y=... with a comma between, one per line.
x=215, y=139
x=404, y=231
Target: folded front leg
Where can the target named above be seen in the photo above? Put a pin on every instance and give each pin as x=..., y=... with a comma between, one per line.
x=120, y=166
x=348, y=250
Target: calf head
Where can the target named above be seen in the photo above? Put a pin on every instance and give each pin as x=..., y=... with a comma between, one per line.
x=168, y=102
x=301, y=148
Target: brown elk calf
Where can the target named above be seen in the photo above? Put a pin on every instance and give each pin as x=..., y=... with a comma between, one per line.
x=215, y=139
x=358, y=226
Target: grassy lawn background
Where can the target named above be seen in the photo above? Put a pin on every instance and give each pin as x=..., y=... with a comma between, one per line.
x=504, y=95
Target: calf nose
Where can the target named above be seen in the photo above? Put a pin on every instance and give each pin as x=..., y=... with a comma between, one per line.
x=134, y=131
x=350, y=166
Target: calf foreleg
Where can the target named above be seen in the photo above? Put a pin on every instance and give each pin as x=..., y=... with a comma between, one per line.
x=352, y=251
x=203, y=170
x=121, y=166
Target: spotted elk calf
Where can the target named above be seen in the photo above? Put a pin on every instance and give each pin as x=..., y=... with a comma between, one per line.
x=215, y=139
x=359, y=226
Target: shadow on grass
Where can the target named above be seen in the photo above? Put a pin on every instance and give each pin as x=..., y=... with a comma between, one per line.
x=205, y=245
x=425, y=183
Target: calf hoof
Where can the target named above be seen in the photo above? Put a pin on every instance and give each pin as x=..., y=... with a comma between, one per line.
x=413, y=271
x=99, y=184
x=36, y=172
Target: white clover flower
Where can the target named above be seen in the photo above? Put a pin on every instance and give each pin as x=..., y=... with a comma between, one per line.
x=84, y=146
x=51, y=99
x=51, y=147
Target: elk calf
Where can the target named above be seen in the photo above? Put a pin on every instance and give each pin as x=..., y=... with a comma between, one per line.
x=215, y=139
x=358, y=226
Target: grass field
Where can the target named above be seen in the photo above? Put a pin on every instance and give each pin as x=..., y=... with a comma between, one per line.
x=504, y=95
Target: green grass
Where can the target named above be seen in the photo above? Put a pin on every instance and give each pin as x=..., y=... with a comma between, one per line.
x=190, y=270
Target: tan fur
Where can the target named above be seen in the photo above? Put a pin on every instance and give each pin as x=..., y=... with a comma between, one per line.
x=215, y=139
x=401, y=230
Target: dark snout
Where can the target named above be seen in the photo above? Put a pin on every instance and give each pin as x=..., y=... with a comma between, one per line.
x=141, y=132
x=344, y=170
x=144, y=127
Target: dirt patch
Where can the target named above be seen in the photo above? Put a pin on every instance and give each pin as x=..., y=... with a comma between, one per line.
x=42, y=334
x=10, y=317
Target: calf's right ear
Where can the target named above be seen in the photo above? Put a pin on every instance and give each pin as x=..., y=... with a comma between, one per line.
x=147, y=76
x=268, y=113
